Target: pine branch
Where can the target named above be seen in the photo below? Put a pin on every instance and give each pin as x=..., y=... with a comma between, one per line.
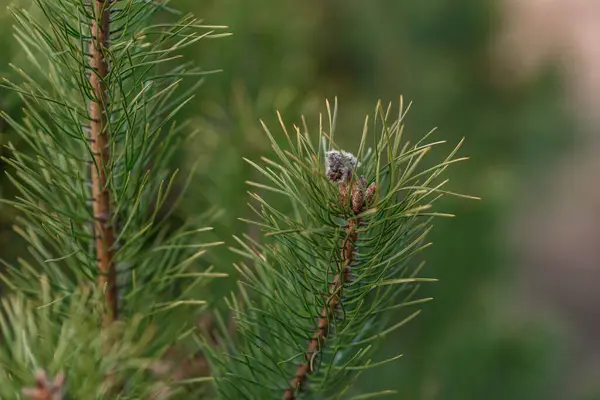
x=102, y=113
x=100, y=146
x=333, y=269
x=340, y=167
x=100, y=90
x=98, y=120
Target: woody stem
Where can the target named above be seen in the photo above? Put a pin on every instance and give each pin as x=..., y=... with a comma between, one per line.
x=100, y=141
x=321, y=334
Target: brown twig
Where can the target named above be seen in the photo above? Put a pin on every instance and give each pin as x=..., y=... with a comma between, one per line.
x=45, y=389
x=175, y=365
x=360, y=195
x=99, y=138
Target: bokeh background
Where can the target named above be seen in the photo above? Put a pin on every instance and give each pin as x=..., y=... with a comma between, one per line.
x=517, y=309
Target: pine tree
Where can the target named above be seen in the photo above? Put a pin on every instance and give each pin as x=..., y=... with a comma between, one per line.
x=108, y=302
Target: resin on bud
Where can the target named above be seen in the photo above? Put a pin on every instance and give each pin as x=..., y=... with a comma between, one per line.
x=339, y=166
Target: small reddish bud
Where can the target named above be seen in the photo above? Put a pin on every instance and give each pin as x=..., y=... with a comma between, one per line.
x=370, y=193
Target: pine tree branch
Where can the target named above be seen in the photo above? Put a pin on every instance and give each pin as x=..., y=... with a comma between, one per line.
x=358, y=199
x=101, y=89
x=300, y=298
x=99, y=137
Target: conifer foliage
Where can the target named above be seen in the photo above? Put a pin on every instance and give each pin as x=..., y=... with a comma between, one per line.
x=100, y=91
x=111, y=290
x=318, y=293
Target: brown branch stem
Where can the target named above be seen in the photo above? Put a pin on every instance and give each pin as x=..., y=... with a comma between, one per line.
x=358, y=198
x=45, y=388
x=100, y=141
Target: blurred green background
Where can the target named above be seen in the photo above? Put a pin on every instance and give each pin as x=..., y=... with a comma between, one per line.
x=476, y=340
